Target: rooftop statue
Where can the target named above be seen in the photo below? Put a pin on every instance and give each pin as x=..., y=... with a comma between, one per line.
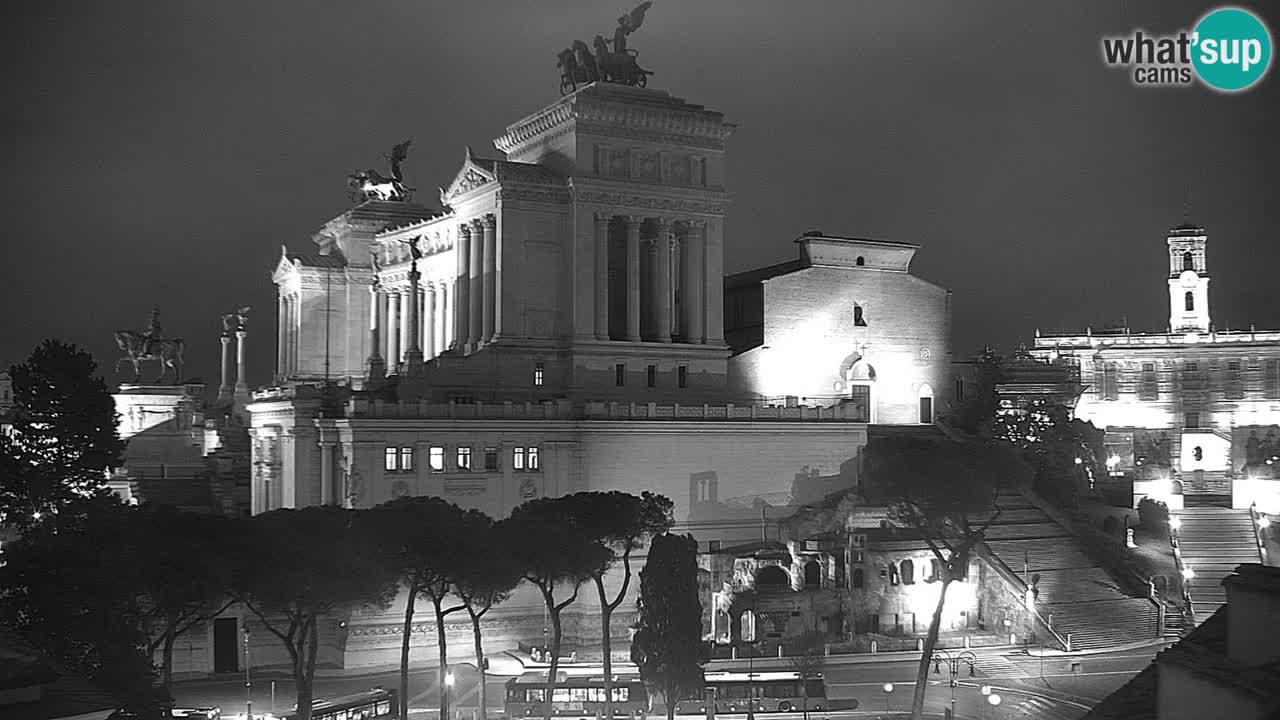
x=235, y=321
x=614, y=64
x=151, y=344
x=372, y=185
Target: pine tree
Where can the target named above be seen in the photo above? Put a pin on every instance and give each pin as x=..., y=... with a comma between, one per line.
x=668, y=646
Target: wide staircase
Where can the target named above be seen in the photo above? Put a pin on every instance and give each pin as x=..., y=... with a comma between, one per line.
x=1079, y=599
x=1212, y=542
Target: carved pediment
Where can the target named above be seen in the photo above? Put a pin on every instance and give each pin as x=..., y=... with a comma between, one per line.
x=469, y=177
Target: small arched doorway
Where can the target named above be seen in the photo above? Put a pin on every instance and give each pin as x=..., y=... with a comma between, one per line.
x=925, y=396
x=812, y=575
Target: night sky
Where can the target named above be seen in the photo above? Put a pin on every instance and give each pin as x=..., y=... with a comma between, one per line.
x=159, y=153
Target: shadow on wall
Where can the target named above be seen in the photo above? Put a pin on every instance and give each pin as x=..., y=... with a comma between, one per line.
x=737, y=517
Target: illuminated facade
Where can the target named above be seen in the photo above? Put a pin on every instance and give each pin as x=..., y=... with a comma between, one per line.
x=846, y=323
x=1193, y=413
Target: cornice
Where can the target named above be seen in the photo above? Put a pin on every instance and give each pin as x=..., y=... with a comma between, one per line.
x=634, y=199
x=542, y=195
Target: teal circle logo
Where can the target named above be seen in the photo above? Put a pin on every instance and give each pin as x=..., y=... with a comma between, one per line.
x=1231, y=49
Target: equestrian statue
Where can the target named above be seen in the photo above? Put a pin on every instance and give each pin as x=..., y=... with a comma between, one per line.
x=151, y=344
x=372, y=185
x=611, y=62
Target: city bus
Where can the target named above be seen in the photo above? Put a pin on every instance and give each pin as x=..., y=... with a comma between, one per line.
x=575, y=696
x=368, y=705
x=772, y=692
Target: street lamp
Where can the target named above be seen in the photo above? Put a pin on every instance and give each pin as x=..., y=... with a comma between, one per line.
x=248, y=684
x=986, y=692
x=448, y=692
x=888, y=690
x=953, y=663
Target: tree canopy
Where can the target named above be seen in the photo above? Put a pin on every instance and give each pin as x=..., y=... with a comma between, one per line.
x=64, y=434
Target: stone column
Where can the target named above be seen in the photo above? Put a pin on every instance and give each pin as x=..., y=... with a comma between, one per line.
x=714, y=281
x=462, y=289
x=662, y=269
x=404, y=307
x=429, y=317
x=282, y=339
x=602, y=276
x=377, y=366
x=242, y=385
x=693, y=294
x=475, y=283
x=633, y=278
x=444, y=324
x=291, y=365
x=328, y=491
x=413, y=321
x=224, y=390
x=489, y=225
x=393, y=331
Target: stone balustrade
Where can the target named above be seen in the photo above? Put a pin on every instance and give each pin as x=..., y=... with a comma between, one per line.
x=567, y=410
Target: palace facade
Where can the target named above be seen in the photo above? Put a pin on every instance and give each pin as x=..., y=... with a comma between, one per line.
x=1193, y=413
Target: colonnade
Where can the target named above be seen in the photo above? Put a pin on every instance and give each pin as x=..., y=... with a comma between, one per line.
x=396, y=309
x=289, y=308
x=656, y=280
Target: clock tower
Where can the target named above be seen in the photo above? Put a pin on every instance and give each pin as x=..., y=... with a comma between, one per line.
x=1188, y=280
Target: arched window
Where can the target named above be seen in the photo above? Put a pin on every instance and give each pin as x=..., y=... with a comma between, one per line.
x=1188, y=261
x=812, y=575
x=935, y=570
x=859, y=578
x=860, y=261
x=1191, y=301
x=893, y=574
x=908, y=572
x=858, y=320
x=772, y=577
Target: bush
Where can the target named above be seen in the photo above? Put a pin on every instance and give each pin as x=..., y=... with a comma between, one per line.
x=1153, y=514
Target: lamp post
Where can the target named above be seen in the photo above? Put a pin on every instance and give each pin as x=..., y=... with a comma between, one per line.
x=248, y=684
x=953, y=663
x=750, y=638
x=888, y=690
x=986, y=693
x=448, y=693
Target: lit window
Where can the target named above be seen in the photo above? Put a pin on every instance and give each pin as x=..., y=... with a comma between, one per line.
x=682, y=376
x=406, y=459
x=620, y=374
x=517, y=459
x=534, y=462
x=491, y=458
x=464, y=458
x=435, y=457
x=525, y=458
x=651, y=373
x=537, y=374
x=392, y=459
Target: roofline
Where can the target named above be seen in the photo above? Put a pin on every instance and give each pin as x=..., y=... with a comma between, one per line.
x=868, y=241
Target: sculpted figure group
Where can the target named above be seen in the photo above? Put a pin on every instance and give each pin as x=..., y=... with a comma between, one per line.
x=610, y=62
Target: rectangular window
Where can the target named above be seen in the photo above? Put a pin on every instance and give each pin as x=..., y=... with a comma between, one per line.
x=435, y=456
x=651, y=373
x=860, y=401
x=532, y=461
x=1233, y=364
x=620, y=374
x=1271, y=379
x=491, y=458
x=537, y=373
x=406, y=459
x=517, y=459
x=1110, y=382
x=1149, y=386
x=959, y=389
x=464, y=458
x=1191, y=420
x=392, y=460
x=682, y=376
x=1192, y=367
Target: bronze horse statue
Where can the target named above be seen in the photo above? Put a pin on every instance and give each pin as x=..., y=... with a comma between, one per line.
x=137, y=347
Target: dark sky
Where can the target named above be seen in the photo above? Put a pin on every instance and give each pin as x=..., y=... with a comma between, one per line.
x=159, y=153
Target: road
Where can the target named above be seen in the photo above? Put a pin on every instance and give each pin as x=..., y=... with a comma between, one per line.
x=1029, y=687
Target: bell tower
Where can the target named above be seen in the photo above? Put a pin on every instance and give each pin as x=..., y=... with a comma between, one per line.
x=1188, y=280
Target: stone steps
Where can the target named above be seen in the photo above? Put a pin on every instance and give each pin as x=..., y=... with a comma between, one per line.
x=1213, y=541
